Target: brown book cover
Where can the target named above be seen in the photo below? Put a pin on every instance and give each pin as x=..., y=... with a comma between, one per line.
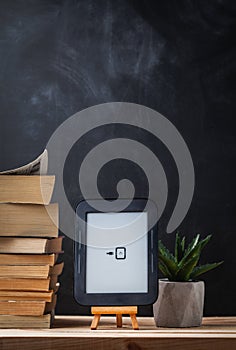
x=21, y=245
x=28, y=259
x=22, y=307
x=26, y=295
x=33, y=189
x=29, y=220
x=30, y=271
x=12, y=321
x=24, y=271
x=25, y=284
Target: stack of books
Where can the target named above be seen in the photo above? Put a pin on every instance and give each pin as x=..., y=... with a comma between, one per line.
x=29, y=248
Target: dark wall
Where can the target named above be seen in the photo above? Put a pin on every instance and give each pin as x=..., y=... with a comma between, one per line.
x=177, y=57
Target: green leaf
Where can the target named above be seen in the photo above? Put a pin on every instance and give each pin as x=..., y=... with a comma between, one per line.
x=182, y=266
x=205, y=241
x=189, y=256
x=179, y=247
x=194, y=248
x=164, y=270
x=165, y=251
x=167, y=259
x=178, y=250
x=183, y=274
x=183, y=246
x=193, y=244
x=199, y=270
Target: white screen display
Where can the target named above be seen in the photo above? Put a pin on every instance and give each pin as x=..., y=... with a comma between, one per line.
x=117, y=253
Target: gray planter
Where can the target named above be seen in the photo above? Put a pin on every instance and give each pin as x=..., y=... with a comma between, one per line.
x=179, y=304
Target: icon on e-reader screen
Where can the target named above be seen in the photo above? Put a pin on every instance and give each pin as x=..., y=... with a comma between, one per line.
x=120, y=253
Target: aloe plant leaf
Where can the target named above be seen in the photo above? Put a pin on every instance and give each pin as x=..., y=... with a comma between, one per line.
x=167, y=259
x=193, y=244
x=182, y=265
x=194, y=248
x=189, y=256
x=199, y=270
x=205, y=241
x=183, y=245
x=165, y=251
x=184, y=273
x=163, y=268
x=178, y=249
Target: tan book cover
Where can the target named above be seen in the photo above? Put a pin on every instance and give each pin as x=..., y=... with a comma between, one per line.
x=30, y=245
x=30, y=271
x=24, y=295
x=33, y=189
x=29, y=220
x=25, y=284
x=22, y=307
x=28, y=259
x=24, y=271
x=12, y=321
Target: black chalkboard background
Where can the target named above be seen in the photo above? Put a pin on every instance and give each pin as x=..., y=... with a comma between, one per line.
x=177, y=57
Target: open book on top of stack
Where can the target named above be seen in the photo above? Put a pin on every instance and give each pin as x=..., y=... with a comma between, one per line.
x=29, y=246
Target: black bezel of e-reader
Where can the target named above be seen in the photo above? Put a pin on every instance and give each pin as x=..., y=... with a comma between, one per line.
x=105, y=299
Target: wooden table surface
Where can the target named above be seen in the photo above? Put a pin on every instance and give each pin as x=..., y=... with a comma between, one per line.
x=73, y=332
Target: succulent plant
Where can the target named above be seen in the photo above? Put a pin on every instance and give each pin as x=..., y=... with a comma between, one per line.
x=182, y=266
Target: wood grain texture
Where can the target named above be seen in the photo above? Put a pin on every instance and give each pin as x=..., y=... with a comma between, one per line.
x=73, y=332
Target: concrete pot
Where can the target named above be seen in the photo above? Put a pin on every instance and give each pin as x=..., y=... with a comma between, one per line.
x=179, y=304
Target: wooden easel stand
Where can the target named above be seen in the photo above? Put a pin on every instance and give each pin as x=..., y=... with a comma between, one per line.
x=97, y=311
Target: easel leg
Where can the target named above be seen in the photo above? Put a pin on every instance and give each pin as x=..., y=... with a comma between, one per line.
x=134, y=321
x=119, y=320
x=95, y=321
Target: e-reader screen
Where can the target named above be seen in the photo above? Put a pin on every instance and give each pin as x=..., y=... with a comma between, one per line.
x=117, y=265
